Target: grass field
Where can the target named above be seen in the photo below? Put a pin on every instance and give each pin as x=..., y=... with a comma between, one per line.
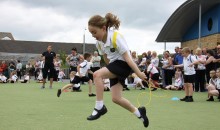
x=27, y=107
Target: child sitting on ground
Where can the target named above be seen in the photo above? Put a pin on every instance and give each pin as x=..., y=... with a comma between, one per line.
x=26, y=78
x=178, y=81
x=3, y=79
x=212, y=90
x=61, y=75
x=137, y=81
x=13, y=78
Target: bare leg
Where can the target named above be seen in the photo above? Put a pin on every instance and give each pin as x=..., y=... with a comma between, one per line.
x=66, y=87
x=118, y=99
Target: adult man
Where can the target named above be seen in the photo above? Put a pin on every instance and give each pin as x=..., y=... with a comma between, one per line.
x=49, y=56
x=73, y=60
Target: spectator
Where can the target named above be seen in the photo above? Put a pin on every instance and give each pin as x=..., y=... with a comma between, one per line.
x=73, y=60
x=189, y=73
x=209, y=64
x=18, y=69
x=211, y=86
x=200, y=71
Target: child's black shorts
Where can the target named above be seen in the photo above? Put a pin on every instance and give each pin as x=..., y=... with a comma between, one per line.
x=121, y=69
x=189, y=78
x=77, y=79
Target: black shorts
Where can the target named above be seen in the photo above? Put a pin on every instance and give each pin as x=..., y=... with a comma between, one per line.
x=77, y=79
x=189, y=78
x=155, y=76
x=121, y=69
x=45, y=71
x=73, y=69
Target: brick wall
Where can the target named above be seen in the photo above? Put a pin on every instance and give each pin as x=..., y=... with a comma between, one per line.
x=209, y=42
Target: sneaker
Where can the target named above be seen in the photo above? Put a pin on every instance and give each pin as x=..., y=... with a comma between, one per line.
x=142, y=89
x=99, y=113
x=42, y=87
x=184, y=99
x=92, y=95
x=50, y=87
x=154, y=89
x=143, y=116
x=58, y=92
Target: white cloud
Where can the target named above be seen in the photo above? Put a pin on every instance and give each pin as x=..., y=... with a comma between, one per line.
x=65, y=21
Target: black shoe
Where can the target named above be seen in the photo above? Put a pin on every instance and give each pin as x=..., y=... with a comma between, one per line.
x=127, y=89
x=184, y=99
x=210, y=99
x=142, y=89
x=79, y=90
x=99, y=113
x=189, y=99
x=143, y=116
x=218, y=97
x=92, y=95
x=42, y=87
x=58, y=92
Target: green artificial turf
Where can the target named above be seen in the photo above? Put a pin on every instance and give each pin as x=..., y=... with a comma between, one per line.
x=27, y=107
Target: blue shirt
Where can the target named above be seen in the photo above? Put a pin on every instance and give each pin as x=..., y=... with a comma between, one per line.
x=179, y=59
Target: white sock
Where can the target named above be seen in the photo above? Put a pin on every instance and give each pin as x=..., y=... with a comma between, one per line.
x=98, y=106
x=137, y=113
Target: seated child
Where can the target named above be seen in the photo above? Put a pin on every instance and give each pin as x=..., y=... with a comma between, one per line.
x=178, y=81
x=137, y=81
x=106, y=84
x=40, y=77
x=26, y=78
x=61, y=75
x=3, y=79
x=13, y=78
x=212, y=90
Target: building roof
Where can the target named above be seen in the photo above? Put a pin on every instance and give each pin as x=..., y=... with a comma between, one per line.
x=183, y=18
x=33, y=47
x=6, y=36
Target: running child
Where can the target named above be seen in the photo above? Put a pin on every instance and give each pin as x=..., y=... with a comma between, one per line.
x=115, y=51
x=82, y=69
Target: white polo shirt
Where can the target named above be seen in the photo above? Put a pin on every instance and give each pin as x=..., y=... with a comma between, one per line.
x=84, y=67
x=186, y=62
x=218, y=83
x=105, y=48
x=152, y=69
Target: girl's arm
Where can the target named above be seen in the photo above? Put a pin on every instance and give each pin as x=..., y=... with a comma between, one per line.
x=178, y=66
x=210, y=59
x=133, y=66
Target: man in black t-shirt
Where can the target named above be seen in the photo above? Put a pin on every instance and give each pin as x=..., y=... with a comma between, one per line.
x=49, y=56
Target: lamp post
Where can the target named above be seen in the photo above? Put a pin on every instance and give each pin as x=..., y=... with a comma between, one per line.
x=84, y=40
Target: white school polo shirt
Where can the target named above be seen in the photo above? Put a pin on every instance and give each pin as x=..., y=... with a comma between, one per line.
x=218, y=83
x=152, y=69
x=84, y=67
x=105, y=48
x=186, y=62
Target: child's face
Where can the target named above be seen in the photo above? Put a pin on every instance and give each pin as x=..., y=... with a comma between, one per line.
x=218, y=73
x=212, y=74
x=97, y=33
x=89, y=59
x=184, y=54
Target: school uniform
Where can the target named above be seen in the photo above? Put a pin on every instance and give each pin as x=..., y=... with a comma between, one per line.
x=189, y=72
x=218, y=85
x=154, y=73
x=117, y=64
x=200, y=75
x=84, y=67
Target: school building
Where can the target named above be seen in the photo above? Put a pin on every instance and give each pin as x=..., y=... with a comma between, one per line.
x=196, y=23
x=31, y=50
